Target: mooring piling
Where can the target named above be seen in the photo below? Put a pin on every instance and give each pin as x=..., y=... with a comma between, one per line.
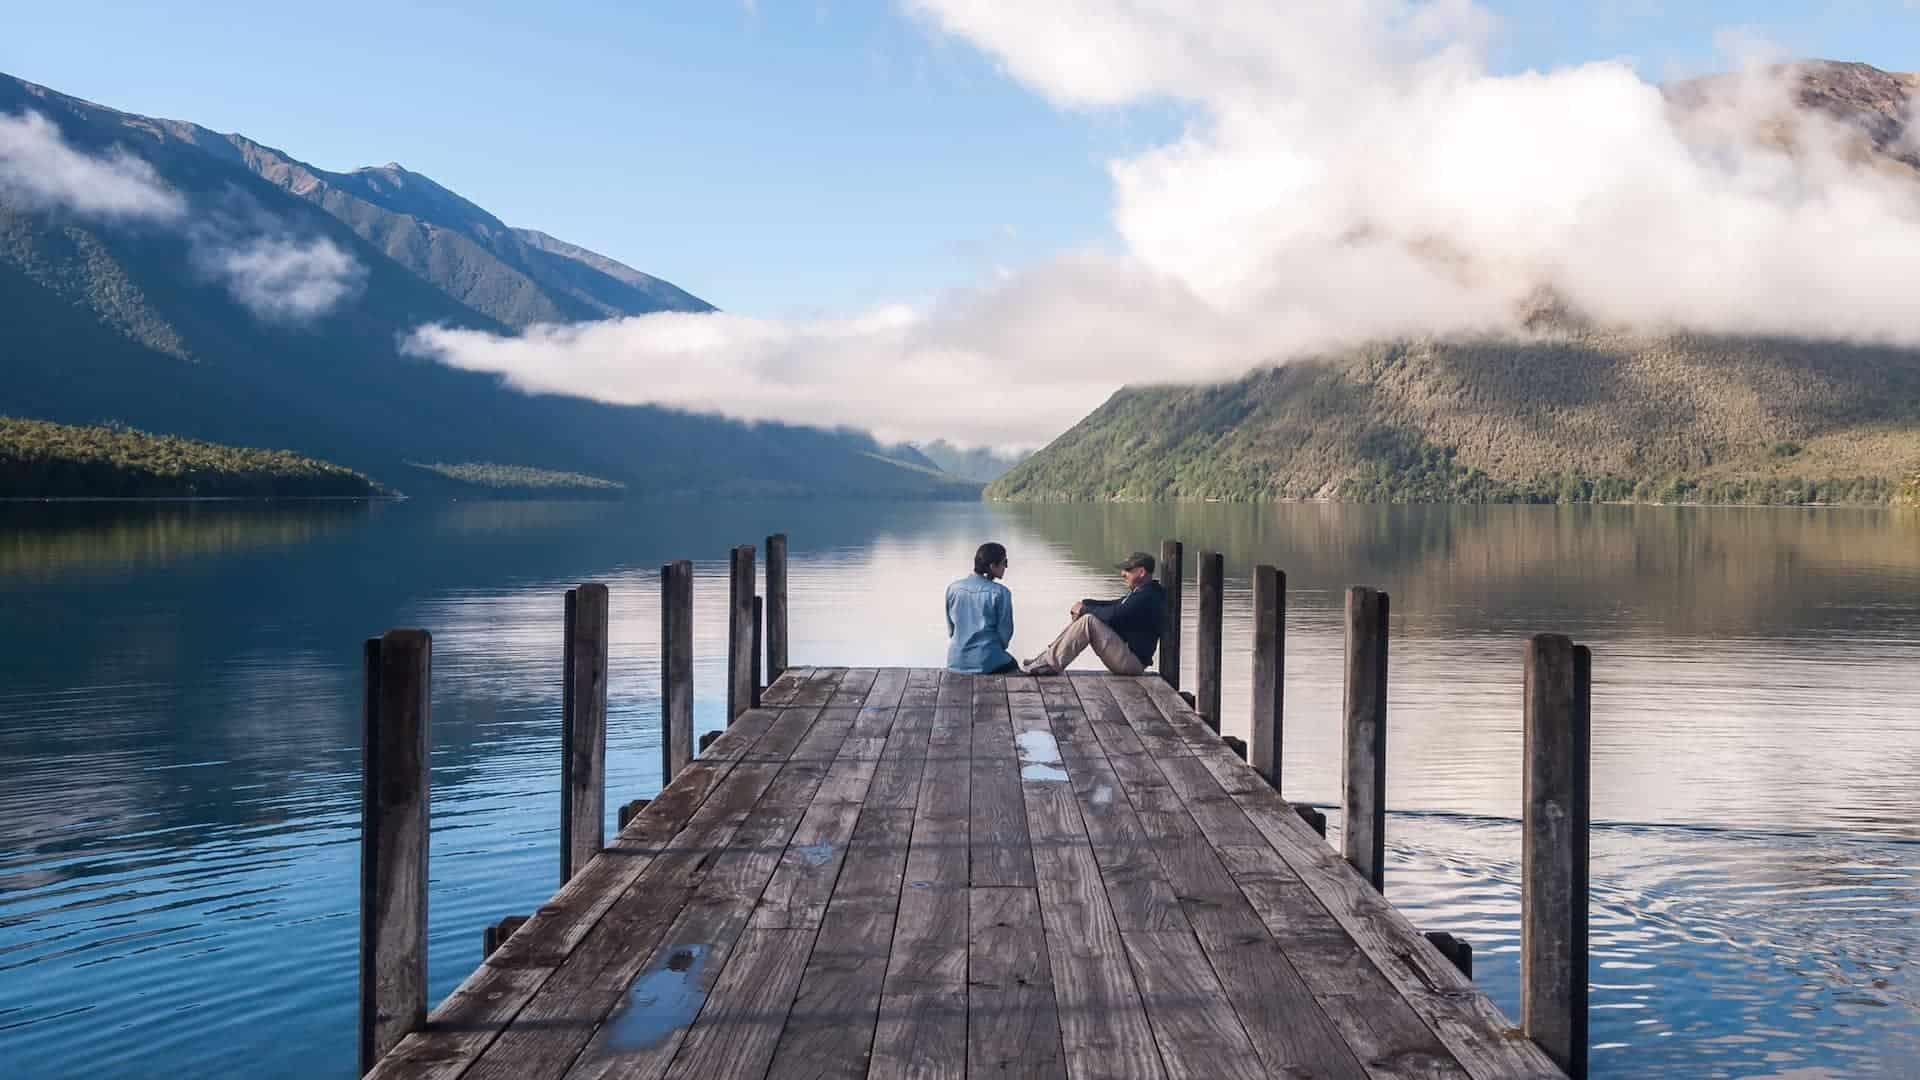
x=1269, y=671
x=1363, y=766
x=676, y=668
x=1207, y=656
x=1554, y=849
x=396, y=775
x=740, y=633
x=583, y=730
x=777, y=639
x=1172, y=553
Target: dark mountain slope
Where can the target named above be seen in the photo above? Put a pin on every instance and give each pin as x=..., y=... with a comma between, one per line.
x=116, y=320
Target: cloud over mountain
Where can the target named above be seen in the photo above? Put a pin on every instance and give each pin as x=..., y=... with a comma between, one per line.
x=1349, y=173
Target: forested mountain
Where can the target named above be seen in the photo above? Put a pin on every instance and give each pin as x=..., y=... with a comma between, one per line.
x=150, y=276
x=1566, y=411
x=1578, y=417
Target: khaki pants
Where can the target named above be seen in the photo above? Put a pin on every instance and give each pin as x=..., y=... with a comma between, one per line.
x=1081, y=634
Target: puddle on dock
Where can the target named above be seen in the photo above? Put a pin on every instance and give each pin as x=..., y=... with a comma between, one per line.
x=819, y=854
x=666, y=997
x=1040, y=757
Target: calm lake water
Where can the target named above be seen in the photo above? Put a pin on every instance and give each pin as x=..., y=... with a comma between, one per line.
x=180, y=761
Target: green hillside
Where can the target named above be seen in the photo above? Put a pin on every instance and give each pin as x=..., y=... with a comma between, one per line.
x=1571, y=417
x=42, y=460
x=110, y=319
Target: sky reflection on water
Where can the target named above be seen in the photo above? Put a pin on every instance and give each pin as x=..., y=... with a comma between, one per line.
x=179, y=729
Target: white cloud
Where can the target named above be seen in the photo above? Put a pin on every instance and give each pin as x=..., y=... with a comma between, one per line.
x=1351, y=171
x=39, y=170
x=279, y=278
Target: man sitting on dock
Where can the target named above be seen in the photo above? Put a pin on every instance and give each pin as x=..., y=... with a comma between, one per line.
x=1123, y=633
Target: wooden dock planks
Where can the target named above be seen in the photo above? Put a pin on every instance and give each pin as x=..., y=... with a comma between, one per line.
x=893, y=872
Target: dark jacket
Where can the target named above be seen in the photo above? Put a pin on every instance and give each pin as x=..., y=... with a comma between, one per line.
x=1137, y=617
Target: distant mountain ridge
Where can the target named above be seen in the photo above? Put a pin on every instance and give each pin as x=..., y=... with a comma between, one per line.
x=264, y=303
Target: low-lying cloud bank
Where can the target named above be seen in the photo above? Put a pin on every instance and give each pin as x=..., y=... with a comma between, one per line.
x=277, y=275
x=1352, y=172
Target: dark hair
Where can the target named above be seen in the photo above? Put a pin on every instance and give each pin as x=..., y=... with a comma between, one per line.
x=988, y=555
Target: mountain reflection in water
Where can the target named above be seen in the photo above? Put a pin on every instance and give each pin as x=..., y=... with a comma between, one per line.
x=179, y=715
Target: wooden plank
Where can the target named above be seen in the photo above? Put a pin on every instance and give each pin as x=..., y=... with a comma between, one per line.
x=1012, y=1026
x=779, y=693
x=1269, y=673
x=583, y=730
x=797, y=895
x=1467, y=1024
x=676, y=669
x=1103, y=1027
x=1363, y=757
x=777, y=636
x=1171, y=556
x=1553, y=860
x=1193, y=1021
x=922, y=1029
x=396, y=783
x=882, y=704
x=1371, y=1018
x=923, y=688
x=469, y=1020
x=1137, y=888
x=1208, y=656
x=738, y=1029
x=853, y=688
x=830, y=1029
x=640, y=1040
x=997, y=833
x=819, y=689
x=740, y=583
x=552, y=1028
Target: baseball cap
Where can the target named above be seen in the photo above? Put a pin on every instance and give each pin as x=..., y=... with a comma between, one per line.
x=1139, y=559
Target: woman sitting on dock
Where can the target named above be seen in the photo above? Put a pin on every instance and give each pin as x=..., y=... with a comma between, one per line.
x=980, y=617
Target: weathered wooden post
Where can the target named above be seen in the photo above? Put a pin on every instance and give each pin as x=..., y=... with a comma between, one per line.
x=583, y=731
x=1172, y=553
x=1269, y=671
x=676, y=669
x=708, y=740
x=740, y=633
x=395, y=770
x=776, y=606
x=1363, y=766
x=1553, y=860
x=1457, y=950
x=759, y=623
x=1208, y=655
x=632, y=810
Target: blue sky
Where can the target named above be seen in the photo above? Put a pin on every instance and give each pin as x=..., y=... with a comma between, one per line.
x=783, y=159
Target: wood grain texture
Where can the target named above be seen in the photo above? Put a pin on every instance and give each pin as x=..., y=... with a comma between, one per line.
x=1553, y=860
x=1467, y=1024
x=1172, y=554
x=1209, y=654
x=777, y=630
x=1013, y=1028
x=740, y=585
x=1363, y=757
x=1269, y=673
x=809, y=900
x=469, y=1020
x=395, y=789
x=583, y=730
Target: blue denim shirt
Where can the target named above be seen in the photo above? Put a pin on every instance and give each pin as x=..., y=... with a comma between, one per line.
x=979, y=624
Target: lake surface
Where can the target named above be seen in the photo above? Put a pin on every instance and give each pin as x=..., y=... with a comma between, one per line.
x=180, y=762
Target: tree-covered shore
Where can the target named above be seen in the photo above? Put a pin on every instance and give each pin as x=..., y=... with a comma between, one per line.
x=41, y=460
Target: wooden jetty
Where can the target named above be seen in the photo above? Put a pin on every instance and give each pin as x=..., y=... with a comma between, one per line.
x=891, y=872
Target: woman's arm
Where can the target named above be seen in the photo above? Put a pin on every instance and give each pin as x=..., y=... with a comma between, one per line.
x=1006, y=618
